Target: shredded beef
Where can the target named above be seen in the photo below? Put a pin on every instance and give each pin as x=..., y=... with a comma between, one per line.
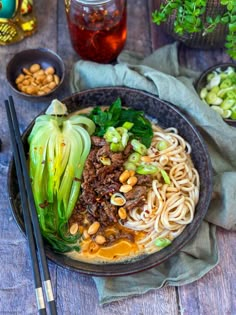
x=135, y=197
x=99, y=182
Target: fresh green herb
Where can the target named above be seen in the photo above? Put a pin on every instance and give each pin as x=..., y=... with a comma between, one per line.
x=190, y=18
x=58, y=150
x=117, y=116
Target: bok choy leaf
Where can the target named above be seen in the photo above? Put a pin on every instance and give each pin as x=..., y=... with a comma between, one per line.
x=58, y=150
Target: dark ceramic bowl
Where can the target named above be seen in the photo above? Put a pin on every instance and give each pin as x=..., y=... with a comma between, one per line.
x=24, y=59
x=166, y=116
x=201, y=82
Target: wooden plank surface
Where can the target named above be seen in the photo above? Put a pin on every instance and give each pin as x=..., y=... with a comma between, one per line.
x=76, y=293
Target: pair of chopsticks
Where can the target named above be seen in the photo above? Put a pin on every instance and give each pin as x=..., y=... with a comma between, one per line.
x=35, y=241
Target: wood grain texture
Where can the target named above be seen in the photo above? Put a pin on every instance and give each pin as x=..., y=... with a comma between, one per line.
x=76, y=294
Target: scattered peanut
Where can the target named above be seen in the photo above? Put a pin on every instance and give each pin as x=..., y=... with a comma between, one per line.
x=74, y=228
x=122, y=213
x=146, y=159
x=132, y=181
x=124, y=176
x=86, y=235
x=34, y=68
x=125, y=188
x=99, y=239
x=93, y=228
x=131, y=173
x=37, y=81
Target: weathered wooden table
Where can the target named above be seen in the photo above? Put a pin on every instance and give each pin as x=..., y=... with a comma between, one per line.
x=75, y=293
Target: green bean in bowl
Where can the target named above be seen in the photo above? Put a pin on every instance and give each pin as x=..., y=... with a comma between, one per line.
x=217, y=88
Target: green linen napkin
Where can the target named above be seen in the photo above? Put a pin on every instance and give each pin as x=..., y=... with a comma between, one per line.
x=161, y=74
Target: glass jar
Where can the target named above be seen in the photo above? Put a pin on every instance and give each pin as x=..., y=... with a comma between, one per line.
x=97, y=28
x=17, y=20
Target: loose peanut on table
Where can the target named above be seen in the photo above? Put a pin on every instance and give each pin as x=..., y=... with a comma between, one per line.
x=37, y=81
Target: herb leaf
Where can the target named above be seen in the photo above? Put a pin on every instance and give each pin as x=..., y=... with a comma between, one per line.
x=116, y=116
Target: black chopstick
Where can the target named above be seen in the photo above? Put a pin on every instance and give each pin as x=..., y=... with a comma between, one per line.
x=30, y=216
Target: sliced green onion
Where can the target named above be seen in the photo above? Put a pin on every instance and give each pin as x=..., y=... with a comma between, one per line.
x=130, y=166
x=225, y=83
x=233, y=115
x=146, y=169
x=112, y=135
x=213, y=99
x=165, y=176
x=162, y=242
x=105, y=160
x=227, y=104
x=162, y=145
x=138, y=147
x=127, y=125
x=134, y=157
x=117, y=199
x=203, y=93
x=116, y=147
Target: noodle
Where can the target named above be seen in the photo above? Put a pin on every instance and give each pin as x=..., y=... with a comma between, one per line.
x=168, y=207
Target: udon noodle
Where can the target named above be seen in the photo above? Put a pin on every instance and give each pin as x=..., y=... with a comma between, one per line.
x=169, y=207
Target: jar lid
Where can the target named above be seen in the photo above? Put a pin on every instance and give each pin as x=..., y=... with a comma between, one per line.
x=90, y=2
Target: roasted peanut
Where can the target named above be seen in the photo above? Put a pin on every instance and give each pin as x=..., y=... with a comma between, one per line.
x=132, y=180
x=38, y=73
x=93, y=228
x=34, y=68
x=86, y=235
x=26, y=71
x=26, y=82
x=56, y=79
x=49, y=78
x=52, y=85
x=124, y=176
x=20, y=78
x=74, y=228
x=146, y=159
x=131, y=173
x=125, y=188
x=40, y=93
x=40, y=78
x=31, y=89
x=37, y=81
x=50, y=70
x=99, y=239
x=122, y=213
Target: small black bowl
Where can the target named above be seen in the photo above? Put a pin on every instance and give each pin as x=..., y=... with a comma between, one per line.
x=24, y=59
x=166, y=115
x=201, y=82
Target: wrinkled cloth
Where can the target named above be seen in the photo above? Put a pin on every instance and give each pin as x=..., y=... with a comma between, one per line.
x=161, y=74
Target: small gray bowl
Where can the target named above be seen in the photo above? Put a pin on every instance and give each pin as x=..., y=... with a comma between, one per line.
x=202, y=81
x=24, y=59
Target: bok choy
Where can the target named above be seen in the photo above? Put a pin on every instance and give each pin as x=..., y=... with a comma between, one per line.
x=59, y=147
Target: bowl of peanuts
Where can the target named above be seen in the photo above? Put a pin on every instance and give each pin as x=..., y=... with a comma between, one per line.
x=35, y=73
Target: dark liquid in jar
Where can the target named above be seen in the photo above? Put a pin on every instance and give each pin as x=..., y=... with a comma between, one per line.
x=98, y=35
